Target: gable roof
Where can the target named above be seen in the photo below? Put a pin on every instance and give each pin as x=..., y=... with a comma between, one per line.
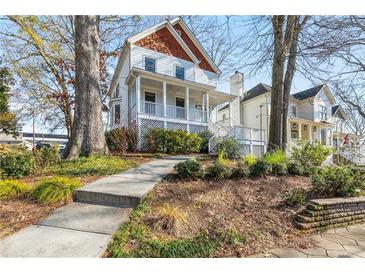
x=308, y=93
x=337, y=108
x=257, y=90
x=206, y=62
x=164, y=24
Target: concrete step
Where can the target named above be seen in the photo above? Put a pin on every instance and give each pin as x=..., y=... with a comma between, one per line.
x=107, y=199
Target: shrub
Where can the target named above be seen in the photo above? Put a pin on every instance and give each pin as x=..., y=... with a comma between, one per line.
x=275, y=157
x=295, y=168
x=12, y=189
x=132, y=139
x=172, y=141
x=249, y=160
x=93, y=165
x=55, y=189
x=279, y=168
x=47, y=156
x=296, y=196
x=116, y=139
x=188, y=168
x=229, y=147
x=260, y=168
x=338, y=181
x=242, y=170
x=218, y=171
x=15, y=162
x=311, y=155
x=205, y=135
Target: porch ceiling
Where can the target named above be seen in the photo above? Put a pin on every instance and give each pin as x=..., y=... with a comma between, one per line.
x=310, y=122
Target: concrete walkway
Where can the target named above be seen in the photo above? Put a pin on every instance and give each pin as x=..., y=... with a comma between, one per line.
x=84, y=228
x=348, y=242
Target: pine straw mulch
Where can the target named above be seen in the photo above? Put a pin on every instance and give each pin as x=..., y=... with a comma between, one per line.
x=16, y=214
x=252, y=207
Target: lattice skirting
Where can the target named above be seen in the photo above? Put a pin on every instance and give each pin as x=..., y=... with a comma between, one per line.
x=197, y=129
x=175, y=126
x=146, y=125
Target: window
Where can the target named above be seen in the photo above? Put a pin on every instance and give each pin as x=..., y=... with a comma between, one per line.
x=149, y=105
x=180, y=102
x=149, y=64
x=180, y=73
x=323, y=113
x=294, y=111
x=150, y=97
x=117, y=114
x=224, y=117
x=117, y=91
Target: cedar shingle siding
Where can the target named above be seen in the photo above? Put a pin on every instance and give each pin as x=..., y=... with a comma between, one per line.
x=163, y=41
x=203, y=62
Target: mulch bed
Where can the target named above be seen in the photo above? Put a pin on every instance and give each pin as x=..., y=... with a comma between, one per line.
x=253, y=207
x=17, y=214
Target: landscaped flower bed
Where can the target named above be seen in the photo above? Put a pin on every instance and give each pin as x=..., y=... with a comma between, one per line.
x=33, y=184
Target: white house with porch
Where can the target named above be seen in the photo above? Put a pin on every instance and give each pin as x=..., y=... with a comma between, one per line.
x=165, y=79
x=313, y=116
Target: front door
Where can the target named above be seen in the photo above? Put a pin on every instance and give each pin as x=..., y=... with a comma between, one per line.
x=150, y=103
x=180, y=107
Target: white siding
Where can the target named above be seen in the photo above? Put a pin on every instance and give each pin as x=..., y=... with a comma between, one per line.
x=166, y=64
x=305, y=110
x=322, y=101
x=251, y=111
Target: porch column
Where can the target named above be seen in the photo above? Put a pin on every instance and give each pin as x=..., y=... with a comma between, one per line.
x=138, y=93
x=187, y=102
x=288, y=131
x=310, y=133
x=207, y=97
x=203, y=107
x=164, y=98
x=299, y=131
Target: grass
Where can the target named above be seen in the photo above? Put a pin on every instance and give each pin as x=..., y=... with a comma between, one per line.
x=94, y=165
x=135, y=239
x=10, y=189
x=55, y=189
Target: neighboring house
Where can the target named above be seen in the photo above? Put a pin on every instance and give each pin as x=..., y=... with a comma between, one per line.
x=313, y=116
x=164, y=79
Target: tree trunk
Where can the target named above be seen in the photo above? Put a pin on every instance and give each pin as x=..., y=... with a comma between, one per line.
x=275, y=129
x=87, y=136
x=289, y=74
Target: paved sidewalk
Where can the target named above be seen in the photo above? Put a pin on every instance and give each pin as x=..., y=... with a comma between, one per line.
x=348, y=242
x=84, y=228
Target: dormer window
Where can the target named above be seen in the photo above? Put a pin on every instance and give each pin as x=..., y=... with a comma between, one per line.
x=180, y=72
x=150, y=64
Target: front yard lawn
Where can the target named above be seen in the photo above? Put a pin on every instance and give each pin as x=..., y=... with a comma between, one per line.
x=204, y=218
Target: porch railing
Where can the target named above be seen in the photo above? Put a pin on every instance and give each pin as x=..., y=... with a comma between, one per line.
x=156, y=109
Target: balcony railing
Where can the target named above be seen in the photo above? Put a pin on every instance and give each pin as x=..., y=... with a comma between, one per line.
x=155, y=109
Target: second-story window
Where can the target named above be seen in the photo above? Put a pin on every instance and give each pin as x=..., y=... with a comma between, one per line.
x=117, y=92
x=323, y=113
x=294, y=111
x=180, y=72
x=150, y=64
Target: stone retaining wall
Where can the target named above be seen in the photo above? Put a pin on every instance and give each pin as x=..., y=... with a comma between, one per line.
x=329, y=213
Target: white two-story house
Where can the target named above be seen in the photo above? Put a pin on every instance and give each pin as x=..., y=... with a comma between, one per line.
x=164, y=79
x=313, y=115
